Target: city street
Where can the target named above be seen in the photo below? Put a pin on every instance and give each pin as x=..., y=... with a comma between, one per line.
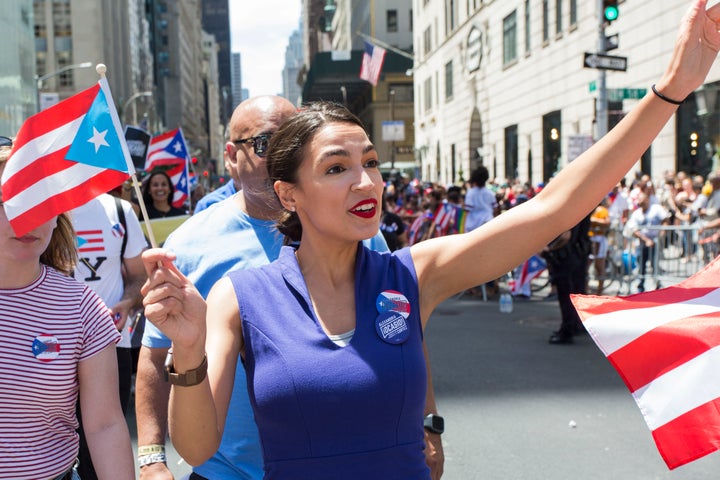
x=516, y=407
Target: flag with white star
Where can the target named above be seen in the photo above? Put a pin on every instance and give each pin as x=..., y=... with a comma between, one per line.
x=166, y=149
x=63, y=157
x=169, y=152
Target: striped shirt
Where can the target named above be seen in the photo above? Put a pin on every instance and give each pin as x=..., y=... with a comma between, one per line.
x=46, y=328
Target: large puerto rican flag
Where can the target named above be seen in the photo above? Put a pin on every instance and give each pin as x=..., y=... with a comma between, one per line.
x=665, y=346
x=63, y=157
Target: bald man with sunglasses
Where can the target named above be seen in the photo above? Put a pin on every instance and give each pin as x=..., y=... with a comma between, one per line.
x=235, y=233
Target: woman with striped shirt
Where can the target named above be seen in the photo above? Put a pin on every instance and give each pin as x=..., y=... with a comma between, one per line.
x=57, y=342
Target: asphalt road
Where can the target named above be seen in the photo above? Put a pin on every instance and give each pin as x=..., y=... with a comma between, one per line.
x=517, y=408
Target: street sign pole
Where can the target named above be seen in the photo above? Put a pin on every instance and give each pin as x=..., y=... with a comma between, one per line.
x=601, y=115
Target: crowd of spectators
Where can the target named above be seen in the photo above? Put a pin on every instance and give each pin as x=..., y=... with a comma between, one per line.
x=688, y=201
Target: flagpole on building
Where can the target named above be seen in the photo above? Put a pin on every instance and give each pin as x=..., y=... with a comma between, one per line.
x=101, y=69
x=386, y=46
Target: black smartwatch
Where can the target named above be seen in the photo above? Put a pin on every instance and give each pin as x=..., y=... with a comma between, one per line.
x=434, y=423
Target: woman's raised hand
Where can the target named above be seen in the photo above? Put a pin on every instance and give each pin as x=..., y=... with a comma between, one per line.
x=695, y=51
x=172, y=303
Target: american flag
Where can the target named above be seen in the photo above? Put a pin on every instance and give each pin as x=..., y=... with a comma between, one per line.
x=372, y=62
x=664, y=344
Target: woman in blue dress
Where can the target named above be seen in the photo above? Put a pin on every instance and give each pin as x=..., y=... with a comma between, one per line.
x=331, y=333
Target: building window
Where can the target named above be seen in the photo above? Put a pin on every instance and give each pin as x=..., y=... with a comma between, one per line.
x=392, y=20
x=411, y=20
x=573, y=13
x=558, y=17
x=427, y=93
x=510, y=38
x=449, y=80
x=527, y=26
x=427, y=41
x=450, y=16
x=511, y=152
x=546, y=20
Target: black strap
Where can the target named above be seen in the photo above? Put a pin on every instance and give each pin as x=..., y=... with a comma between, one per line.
x=121, y=217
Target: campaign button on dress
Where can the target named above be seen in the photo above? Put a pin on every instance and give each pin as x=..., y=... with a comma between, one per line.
x=392, y=328
x=393, y=301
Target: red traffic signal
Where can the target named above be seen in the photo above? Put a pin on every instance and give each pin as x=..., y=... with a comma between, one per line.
x=194, y=160
x=205, y=173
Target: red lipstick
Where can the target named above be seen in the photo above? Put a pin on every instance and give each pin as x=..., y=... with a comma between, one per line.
x=365, y=209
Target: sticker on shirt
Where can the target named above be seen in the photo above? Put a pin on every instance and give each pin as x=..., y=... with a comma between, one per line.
x=90, y=241
x=393, y=301
x=392, y=328
x=118, y=231
x=46, y=347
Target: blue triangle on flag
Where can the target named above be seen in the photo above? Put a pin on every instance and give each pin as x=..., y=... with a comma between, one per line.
x=96, y=142
x=177, y=146
x=81, y=241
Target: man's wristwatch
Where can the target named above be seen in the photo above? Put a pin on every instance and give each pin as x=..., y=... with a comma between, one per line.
x=434, y=423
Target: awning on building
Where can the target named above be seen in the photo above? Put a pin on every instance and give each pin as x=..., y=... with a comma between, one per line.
x=326, y=76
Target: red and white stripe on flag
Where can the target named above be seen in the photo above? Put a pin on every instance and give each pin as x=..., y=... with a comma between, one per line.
x=665, y=345
x=63, y=157
x=372, y=62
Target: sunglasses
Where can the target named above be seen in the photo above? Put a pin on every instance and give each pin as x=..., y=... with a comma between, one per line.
x=259, y=143
x=6, y=141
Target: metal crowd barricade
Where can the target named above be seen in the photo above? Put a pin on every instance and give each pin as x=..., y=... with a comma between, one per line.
x=679, y=253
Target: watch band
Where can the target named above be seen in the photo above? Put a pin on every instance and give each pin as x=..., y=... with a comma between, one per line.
x=187, y=379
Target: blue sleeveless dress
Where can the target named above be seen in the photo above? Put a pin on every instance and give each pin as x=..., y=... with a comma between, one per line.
x=325, y=411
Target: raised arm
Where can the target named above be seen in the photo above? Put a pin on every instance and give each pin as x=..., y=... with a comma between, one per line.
x=451, y=264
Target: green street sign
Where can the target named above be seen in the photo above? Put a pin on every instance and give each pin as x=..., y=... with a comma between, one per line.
x=619, y=94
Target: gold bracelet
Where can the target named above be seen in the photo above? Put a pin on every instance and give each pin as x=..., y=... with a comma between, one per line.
x=150, y=449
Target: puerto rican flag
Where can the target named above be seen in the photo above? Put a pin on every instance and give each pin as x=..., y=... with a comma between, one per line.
x=445, y=217
x=90, y=241
x=665, y=346
x=529, y=270
x=64, y=157
x=179, y=176
x=168, y=148
x=169, y=151
x=372, y=62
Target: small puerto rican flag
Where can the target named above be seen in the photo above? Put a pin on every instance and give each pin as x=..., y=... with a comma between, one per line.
x=46, y=347
x=90, y=241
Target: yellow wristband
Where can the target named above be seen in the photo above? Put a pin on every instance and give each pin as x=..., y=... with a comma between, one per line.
x=150, y=449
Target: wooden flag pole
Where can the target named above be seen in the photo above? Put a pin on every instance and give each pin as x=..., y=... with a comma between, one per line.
x=101, y=69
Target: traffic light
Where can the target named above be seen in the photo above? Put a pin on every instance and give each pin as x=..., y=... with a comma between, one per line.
x=194, y=160
x=206, y=173
x=610, y=10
